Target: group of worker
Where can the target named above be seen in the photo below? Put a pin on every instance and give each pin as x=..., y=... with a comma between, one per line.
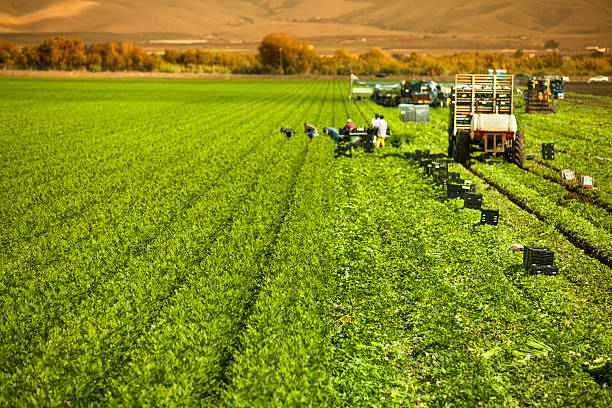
x=379, y=124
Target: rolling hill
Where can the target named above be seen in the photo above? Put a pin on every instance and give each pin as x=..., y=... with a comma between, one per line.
x=576, y=21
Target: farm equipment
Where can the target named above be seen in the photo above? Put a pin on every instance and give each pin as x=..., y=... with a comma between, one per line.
x=539, y=97
x=359, y=135
x=556, y=87
x=387, y=94
x=423, y=93
x=410, y=93
x=482, y=118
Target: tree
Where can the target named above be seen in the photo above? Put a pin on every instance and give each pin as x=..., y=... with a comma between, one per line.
x=519, y=53
x=551, y=45
x=283, y=53
x=9, y=53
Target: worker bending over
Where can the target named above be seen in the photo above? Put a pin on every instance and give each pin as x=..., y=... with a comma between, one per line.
x=287, y=132
x=333, y=133
x=310, y=130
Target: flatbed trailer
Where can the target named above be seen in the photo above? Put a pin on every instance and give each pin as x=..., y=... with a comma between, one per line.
x=482, y=118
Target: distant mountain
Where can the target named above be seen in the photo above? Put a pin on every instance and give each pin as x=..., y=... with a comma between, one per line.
x=249, y=20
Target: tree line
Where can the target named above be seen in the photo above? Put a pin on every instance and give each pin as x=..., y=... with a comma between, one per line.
x=280, y=54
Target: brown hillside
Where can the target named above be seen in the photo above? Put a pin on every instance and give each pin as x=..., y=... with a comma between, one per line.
x=575, y=22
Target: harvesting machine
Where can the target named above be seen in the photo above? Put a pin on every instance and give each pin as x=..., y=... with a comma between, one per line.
x=482, y=118
x=539, y=96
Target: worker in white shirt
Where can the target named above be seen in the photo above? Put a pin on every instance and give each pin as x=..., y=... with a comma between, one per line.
x=374, y=122
x=381, y=134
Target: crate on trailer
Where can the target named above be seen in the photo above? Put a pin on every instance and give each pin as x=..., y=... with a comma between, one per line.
x=548, y=151
x=567, y=174
x=586, y=181
x=489, y=217
x=534, y=255
x=472, y=201
x=344, y=150
x=544, y=270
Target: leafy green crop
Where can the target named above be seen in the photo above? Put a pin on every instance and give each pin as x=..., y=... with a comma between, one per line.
x=164, y=245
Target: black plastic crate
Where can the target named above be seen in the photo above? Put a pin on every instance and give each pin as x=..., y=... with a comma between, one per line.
x=537, y=256
x=417, y=155
x=454, y=190
x=345, y=150
x=472, y=201
x=467, y=188
x=441, y=178
x=548, y=151
x=368, y=145
x=489, y=217
x=544, y=270
x=454, y=176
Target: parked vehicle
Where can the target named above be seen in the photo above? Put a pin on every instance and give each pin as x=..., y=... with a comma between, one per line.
x=598, y=78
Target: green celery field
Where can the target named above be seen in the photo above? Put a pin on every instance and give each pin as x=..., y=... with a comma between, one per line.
x=163, y=244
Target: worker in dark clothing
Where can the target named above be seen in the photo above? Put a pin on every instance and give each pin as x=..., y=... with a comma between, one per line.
x=288, y=132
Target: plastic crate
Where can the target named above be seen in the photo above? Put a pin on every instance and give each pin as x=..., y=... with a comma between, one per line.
x=344, y=150
x=548, y=151
x=472, y=201
x=454, y=190
x=489, y=217
x=454, y=176
x=537, y=256
x=544, y=270
x=368, y=146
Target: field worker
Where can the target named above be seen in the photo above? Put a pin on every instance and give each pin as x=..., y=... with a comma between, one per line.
x=375, y=121
x=349, y=124
x=288, y=132
x=310, y=130
x=333, y=133
x=381, y=134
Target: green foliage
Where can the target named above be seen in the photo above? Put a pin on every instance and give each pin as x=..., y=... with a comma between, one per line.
x=165, y=245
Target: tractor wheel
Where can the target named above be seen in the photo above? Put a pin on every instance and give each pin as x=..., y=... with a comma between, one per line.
x=518, y=149
x=451, y=145
x=462, y=148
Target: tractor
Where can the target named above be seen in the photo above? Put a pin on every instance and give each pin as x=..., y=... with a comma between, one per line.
x=539, y=96
x=482, y=118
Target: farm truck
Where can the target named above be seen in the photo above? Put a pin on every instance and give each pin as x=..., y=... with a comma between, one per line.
x=539, y=96
x=482, y=118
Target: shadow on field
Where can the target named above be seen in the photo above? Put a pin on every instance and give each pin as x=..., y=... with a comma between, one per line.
x=514, y=271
